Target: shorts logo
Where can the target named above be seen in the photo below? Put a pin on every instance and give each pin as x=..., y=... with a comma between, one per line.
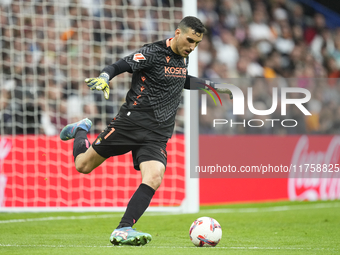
x=108, y=134
x=163, y=153
x=138, y=56
x=99, y=140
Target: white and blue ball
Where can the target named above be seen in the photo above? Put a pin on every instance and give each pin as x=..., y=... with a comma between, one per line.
x=205, y=231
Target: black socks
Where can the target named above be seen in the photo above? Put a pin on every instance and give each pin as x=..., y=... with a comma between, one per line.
x=81, y=143
x=139, y=202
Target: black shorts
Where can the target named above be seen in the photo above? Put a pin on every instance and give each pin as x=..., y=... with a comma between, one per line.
x=122, y=136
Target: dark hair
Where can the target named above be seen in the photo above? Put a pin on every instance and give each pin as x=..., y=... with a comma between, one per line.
x=194, y=23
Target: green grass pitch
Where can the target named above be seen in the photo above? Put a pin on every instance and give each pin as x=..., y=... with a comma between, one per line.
x=268, y=228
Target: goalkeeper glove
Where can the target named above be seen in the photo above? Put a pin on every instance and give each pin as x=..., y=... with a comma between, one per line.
x=100, y=83
x=220, y=90
x=225, y=91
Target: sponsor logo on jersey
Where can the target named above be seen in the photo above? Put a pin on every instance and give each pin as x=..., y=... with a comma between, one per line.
x=138, y=56
x=175, y=71
x=167, y=59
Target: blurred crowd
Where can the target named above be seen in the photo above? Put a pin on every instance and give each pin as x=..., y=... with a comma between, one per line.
x=48, y=48
x=265, y=44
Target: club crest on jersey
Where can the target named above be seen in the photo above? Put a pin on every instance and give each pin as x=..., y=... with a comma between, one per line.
x=138, y=56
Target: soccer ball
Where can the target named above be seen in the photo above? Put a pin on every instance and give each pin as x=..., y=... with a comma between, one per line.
x=205, y=231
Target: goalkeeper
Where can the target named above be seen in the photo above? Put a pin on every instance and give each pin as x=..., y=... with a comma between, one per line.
x=144, y=122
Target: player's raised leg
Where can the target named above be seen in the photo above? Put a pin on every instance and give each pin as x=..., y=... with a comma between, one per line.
x=87, y=161
x=69, y=131
x=85, y=157
x=152, y=174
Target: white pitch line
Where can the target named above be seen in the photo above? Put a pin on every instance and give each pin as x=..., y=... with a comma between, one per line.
x=272, y=208
x=204, y=211
x=172, y=247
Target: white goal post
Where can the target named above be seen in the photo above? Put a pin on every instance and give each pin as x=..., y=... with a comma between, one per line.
x=191, y=202
x=47, y=49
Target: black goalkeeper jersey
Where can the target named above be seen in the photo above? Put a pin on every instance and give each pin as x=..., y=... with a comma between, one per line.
x=158, y=80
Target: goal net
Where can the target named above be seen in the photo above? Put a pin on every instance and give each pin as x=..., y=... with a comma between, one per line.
x=47, y=50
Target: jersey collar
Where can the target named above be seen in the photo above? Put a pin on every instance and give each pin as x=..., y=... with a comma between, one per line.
x=168, y=42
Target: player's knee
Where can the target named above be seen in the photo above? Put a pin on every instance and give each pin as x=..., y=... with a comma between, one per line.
x=154, y=180
x=152, y=173
x=157, y=180
x=83, y=168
